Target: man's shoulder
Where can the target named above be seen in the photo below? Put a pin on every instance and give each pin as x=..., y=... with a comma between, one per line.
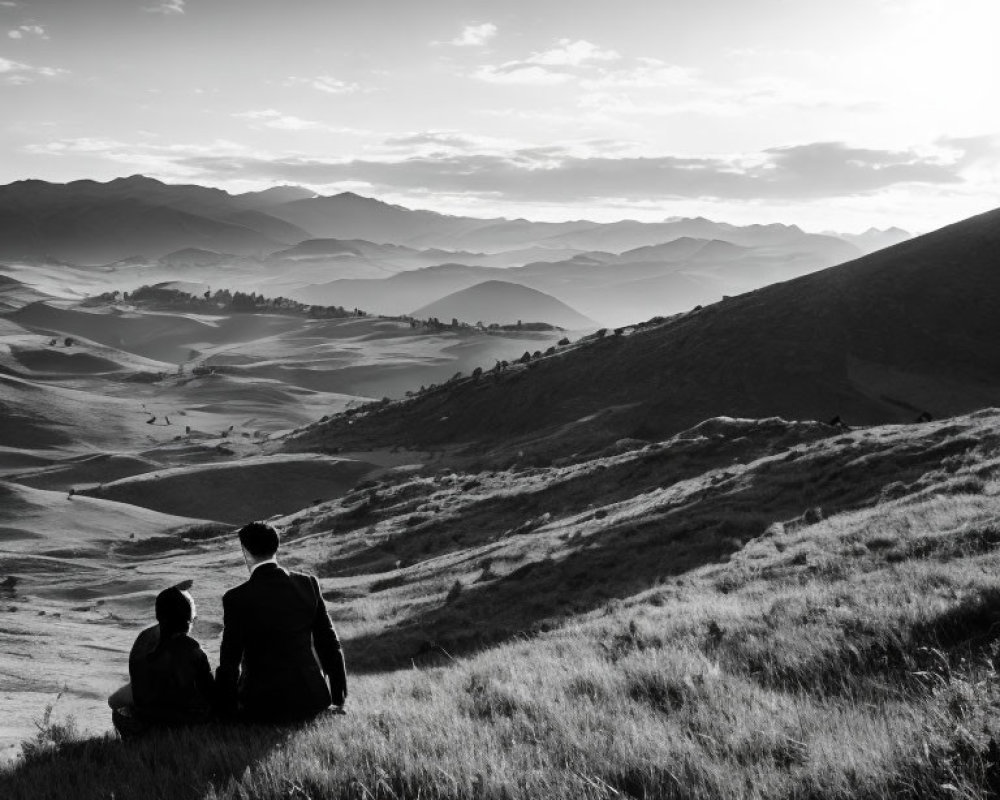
x=235, y=593
x=302, y=577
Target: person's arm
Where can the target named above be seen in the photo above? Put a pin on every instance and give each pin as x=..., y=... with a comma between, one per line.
x=331, y=654
x=230, y=656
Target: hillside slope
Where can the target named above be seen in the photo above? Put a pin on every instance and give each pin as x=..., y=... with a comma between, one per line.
x=883, y=338
x=755, y=609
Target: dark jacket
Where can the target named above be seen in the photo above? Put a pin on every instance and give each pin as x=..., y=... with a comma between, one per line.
x=277, y=643
x=171, y=680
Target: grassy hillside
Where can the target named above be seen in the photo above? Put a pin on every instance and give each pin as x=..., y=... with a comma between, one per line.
x=906, y=330
x=754, y=609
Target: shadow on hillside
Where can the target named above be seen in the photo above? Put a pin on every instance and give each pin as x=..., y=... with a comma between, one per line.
x=585, y=573
x=891, y=660
x=541, y=594
x=171, y=765
x=427, y=535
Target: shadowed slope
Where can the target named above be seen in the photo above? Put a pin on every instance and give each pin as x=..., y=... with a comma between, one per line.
x=908, y=329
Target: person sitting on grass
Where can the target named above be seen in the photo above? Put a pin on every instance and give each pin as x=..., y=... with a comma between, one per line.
x=171, y=680
x=280, y=658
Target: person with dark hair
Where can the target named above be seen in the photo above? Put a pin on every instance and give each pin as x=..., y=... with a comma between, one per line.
x=280, y=658
x=171, y=680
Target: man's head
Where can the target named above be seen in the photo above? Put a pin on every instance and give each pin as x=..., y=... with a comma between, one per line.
x=259, y=540
x=175, y=611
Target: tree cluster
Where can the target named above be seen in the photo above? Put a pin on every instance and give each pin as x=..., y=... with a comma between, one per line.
x=227, y=301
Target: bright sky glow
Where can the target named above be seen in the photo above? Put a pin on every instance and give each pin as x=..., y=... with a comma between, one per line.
x=831, y=115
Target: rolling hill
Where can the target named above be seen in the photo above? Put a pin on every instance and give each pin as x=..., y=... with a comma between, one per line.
x=503, y=303
x=884, y=338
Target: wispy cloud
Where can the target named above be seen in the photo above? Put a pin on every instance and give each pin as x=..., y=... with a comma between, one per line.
x=278, y=120
x=24, y=31
x=149, y=156
x=271, y=118
x=475, y=35
x=553, y=174
x=572, y=54
x=562, y=63
x=647, y=73
x=326, y=83
x=436, y=139
x=469, y=171
x=517, y=72
x=16, y=73
x=167, y=7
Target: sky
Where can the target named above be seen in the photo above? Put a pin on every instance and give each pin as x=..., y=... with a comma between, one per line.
x=833, y=116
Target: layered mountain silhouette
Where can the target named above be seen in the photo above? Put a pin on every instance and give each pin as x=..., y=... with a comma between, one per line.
x=875, y=239
x=88, y=222
x=614, y=289
x=503, y=303
x=885, y=338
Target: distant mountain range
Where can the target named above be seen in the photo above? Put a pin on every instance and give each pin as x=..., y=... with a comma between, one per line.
x=503, y=303
x=87, y=222
x=615, y=289
x=360, y=252
x=884, y=338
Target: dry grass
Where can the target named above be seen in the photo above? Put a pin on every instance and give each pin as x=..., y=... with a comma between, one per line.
x=843, y=653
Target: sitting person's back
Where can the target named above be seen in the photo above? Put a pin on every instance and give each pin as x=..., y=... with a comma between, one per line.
x=171, y=680
x=280, y=658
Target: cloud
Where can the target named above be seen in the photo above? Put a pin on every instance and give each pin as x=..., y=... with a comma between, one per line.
x=520, y=73
x=149, y=157
x=475, y=35
x=648, y=73
x=22, y=31
x=271, y=118
x=572, y=54
x=972, y=150
x=16, y=73
x=278, y=120
x=436, y=139
x=554, y=174
x=167, y=7
x=560, y=64
x=590, y=172
x=325, y=83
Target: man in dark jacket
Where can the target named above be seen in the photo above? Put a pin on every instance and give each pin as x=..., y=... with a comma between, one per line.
x=280, y=659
